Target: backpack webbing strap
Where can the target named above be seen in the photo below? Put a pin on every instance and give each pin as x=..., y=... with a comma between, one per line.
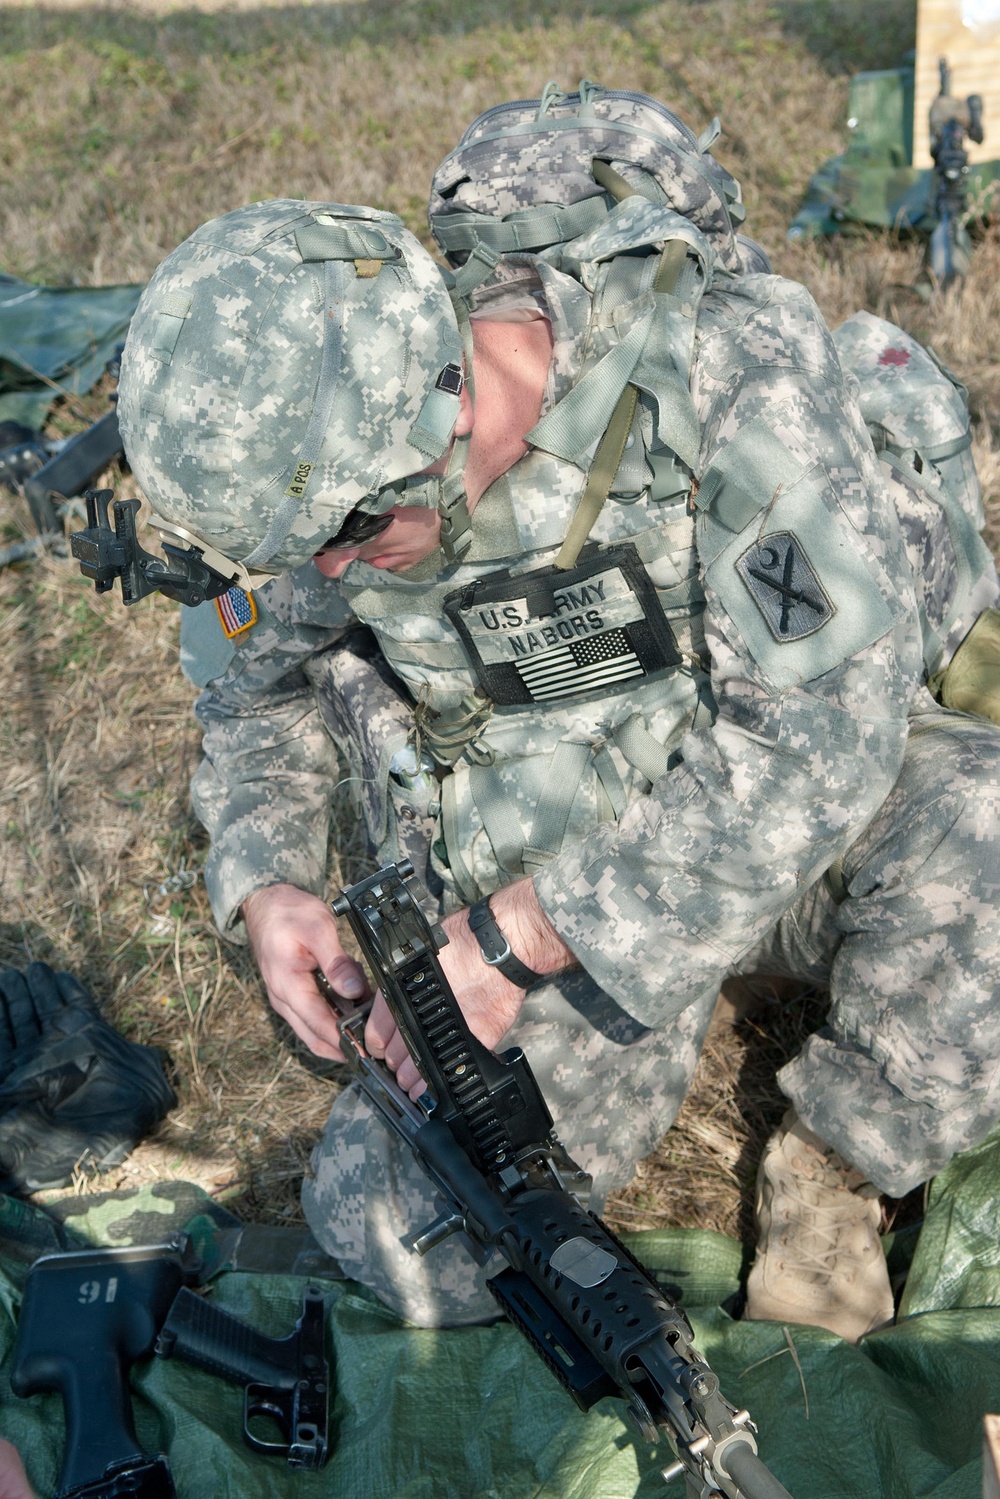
x=502, y=824
x=524, y=229
x=614, y=183
x=566, y=771
x=611, y=785
x=646, y=754
x=612, y=444
x=516, y=854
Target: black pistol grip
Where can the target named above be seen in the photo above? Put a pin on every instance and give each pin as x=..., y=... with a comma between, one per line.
x=284, y=1378
x=203, y=1334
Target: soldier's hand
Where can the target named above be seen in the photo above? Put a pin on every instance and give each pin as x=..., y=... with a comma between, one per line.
x=291, y=934
x=13, y=1479
x=490, y=1002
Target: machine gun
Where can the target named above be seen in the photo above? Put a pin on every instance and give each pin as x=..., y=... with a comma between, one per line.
x=51, y=472
x=949, y=252
x=484, y=1136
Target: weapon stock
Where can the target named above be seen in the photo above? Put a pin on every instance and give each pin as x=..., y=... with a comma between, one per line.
x=87, y=1316
x=484, y=1137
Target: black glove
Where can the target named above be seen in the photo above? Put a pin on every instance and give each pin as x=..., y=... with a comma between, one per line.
x=73, y=1092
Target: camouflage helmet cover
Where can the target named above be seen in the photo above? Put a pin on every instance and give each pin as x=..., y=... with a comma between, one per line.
x=283, y=366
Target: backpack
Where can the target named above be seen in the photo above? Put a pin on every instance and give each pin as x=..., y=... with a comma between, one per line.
x=544, y=176
x=522, y=178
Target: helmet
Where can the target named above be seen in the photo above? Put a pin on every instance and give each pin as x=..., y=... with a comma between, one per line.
x=287, y=363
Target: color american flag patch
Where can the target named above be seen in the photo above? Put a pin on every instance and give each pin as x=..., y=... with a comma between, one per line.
x=237, y=611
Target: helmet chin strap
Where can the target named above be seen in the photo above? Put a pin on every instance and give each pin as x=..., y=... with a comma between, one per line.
x=453, y=502
x=446, y=492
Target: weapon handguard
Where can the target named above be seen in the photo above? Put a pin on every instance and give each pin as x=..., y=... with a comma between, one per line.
x=484, y=1136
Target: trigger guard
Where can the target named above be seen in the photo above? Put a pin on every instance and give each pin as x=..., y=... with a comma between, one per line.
x=259, y=1401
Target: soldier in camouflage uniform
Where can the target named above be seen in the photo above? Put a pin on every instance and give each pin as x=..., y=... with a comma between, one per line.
x=705, y=746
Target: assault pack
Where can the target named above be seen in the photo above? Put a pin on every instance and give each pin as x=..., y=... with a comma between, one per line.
x=545, y=176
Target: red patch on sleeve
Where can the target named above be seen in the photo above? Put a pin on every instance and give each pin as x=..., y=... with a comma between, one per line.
x=894, y=356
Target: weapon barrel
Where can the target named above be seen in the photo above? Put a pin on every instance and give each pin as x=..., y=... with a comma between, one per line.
x=755, y=1480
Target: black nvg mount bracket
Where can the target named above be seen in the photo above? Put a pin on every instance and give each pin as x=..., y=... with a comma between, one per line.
x=105, y=554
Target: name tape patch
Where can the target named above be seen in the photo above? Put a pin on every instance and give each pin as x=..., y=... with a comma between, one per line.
x=300, y=479
x=548, y=636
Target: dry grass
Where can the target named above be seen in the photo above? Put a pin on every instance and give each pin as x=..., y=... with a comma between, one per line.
x=126, y=126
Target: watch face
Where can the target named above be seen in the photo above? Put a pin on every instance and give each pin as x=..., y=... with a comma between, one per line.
x=554, y=635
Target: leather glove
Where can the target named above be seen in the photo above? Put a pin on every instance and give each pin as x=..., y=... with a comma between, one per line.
x=73, y=1092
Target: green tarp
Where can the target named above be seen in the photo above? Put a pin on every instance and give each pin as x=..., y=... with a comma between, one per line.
x=56, y=339
x=472, y=1414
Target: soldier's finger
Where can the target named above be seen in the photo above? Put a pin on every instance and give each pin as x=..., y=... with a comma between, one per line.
x=310, y=1017
x=346, y=977
x=379, y=1027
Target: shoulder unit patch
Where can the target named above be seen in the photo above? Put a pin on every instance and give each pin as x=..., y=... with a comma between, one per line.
x=784, y=586
x=237, y=611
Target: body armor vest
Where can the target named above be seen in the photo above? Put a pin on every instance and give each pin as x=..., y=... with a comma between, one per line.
x=554, y=699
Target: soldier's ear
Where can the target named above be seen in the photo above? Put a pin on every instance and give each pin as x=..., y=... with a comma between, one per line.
x=466, y=414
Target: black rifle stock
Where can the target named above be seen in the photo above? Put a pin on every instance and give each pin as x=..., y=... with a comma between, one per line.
x=485, y=1139
x=87, y=1316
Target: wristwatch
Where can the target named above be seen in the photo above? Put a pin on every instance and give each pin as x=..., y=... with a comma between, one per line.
x=496, y=949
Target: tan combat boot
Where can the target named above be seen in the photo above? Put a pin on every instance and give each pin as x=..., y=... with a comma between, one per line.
x=819, y=1258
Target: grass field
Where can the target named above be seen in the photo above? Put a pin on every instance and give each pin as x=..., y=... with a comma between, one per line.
x=125, y=127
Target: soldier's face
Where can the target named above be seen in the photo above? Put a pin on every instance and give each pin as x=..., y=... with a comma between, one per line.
x=415, y=531
x=412, y=536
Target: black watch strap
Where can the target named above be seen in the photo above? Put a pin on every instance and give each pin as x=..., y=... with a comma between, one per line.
x=496, y=949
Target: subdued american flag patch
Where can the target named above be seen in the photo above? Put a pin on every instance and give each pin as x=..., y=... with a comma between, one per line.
x=237, y=611
x=581, y=666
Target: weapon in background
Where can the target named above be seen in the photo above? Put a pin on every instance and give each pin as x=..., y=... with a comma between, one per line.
x=285, y=1379
x=949, y=252
x=484, y=1136
x=50, y=472
x=87, y=1316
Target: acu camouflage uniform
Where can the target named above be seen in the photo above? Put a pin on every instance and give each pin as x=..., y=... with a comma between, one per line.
x=788, y=798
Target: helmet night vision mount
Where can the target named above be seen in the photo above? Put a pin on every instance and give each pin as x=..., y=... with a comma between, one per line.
x=191, y=574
